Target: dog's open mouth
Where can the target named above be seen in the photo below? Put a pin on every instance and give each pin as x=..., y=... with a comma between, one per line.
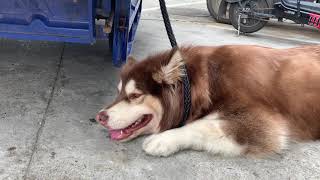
x=121, y=134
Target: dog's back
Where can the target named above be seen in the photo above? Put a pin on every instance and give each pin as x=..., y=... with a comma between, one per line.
x=286, y=81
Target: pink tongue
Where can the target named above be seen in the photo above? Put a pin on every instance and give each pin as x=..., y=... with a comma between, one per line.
x=116, y=134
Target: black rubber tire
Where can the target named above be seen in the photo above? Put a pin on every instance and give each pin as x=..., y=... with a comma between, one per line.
x=214, y=14
x=234, y=14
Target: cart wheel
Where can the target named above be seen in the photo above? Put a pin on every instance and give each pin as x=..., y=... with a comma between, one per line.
x=249, y=24
x=210, y=5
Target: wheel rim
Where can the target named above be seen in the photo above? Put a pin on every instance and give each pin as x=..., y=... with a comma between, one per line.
x=249, y=6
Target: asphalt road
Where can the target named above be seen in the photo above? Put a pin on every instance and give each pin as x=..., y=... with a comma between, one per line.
x=49, y=91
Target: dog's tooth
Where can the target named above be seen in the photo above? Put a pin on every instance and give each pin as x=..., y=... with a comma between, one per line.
x=121, y=132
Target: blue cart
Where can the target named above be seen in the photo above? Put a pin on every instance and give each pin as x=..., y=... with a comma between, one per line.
x=77, y=21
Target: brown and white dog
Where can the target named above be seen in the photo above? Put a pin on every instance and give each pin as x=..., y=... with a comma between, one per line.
x=246, y=100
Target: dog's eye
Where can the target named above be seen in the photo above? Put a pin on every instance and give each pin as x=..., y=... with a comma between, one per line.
x=134, y=96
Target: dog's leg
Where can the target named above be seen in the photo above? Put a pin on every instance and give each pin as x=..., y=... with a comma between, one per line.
x=255, y=132
x=204, y=134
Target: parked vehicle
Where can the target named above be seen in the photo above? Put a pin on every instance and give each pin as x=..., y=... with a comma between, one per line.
x=249, y=16
x=218, y=10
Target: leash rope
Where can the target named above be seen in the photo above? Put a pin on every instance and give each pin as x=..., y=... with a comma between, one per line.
x=185, y=78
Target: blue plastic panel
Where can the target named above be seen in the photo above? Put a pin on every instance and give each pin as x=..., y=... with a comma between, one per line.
x=125, y=26
x=71, y=21
x=106, y=6
x=62, y=20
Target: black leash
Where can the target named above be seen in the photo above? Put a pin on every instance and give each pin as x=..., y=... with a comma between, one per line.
x=185, y=78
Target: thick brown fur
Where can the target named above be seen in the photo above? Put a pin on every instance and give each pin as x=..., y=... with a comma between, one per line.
x=258, y=90
x=256, y=98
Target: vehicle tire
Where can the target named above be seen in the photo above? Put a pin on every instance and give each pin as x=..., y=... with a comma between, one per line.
x=247, y=25
x=214, y=14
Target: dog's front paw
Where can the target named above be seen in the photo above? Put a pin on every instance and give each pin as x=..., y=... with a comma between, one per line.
x=160, y=145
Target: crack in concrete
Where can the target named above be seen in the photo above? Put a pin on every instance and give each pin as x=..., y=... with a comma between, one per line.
x=44, y=117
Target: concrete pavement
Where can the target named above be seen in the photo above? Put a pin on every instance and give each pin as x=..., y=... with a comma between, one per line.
x=50, y=91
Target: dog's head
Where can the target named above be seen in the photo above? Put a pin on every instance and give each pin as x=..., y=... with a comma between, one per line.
x=149, y=97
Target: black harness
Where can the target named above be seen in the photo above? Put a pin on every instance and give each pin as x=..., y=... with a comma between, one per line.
x=185, y=79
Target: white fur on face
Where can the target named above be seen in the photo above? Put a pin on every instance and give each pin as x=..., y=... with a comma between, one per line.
x=204, y=134
x=153, y=126
x=124, y=113
x=119, y=86
x=130, y=87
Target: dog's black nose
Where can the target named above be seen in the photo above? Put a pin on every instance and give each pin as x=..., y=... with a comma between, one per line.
x=102, y=117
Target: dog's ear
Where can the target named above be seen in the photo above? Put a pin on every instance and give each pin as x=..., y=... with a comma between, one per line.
x=172, y=72
x=130, y=62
